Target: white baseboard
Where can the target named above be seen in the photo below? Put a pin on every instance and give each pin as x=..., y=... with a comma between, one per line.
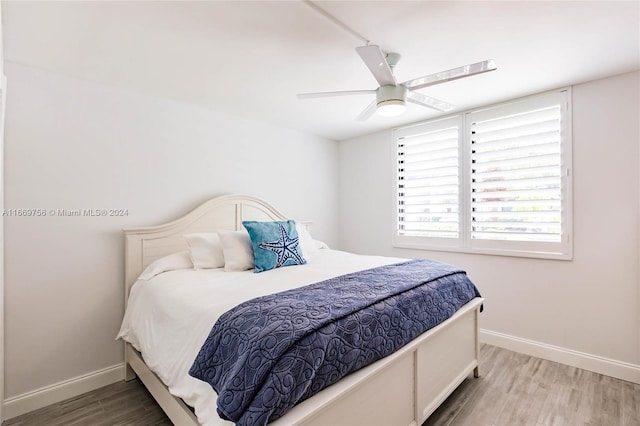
x=608, y=367
x=30, y=401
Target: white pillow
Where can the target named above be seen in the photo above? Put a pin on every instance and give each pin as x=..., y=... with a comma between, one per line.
x=237, y=250
x=320, y=245
x=205, y=250
x=307, y=244
x=180, y=260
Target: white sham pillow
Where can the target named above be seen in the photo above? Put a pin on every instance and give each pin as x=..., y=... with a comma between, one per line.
x=205, y=250
x=307, y=244
x=237, y=250
x=180, y=260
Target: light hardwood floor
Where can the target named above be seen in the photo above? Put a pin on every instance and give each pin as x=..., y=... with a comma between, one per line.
x=516, y=389
x=513, y=389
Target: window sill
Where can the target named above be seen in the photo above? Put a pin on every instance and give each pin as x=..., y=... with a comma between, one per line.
x=485, y=251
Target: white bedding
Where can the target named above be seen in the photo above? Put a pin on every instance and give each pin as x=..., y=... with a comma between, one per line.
x=169, y=317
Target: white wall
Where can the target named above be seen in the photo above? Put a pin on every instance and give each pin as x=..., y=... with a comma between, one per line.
x=589, y=305
x=2, y=111
x=71, y=144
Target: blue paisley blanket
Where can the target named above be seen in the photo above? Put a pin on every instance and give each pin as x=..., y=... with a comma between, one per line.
x=268, y=354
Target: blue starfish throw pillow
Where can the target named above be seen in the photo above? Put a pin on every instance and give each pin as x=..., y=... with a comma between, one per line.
x=275, y=244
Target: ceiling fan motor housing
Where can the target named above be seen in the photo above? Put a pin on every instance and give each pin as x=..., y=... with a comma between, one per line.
x=391, y=94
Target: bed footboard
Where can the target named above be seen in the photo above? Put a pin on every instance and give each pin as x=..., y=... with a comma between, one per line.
x=404, y=388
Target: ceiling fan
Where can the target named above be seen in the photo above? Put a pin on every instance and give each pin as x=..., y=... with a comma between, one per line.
x=391, y=96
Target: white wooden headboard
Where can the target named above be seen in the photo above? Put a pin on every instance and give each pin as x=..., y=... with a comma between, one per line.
x=226, y=212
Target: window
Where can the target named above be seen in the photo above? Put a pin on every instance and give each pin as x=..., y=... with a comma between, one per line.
x=493, y=180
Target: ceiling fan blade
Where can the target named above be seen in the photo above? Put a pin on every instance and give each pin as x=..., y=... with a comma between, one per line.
x=367, y=112
x=341, y=93
x=429, y=102
x=452, y=74
x=377, y=63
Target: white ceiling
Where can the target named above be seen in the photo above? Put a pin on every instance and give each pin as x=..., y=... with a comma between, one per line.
x=251, y=58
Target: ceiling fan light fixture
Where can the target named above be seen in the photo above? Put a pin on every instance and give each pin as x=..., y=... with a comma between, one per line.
x=391, y=100
x=391, y=108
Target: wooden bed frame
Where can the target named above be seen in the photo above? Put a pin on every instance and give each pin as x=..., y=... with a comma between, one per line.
x=401, y=389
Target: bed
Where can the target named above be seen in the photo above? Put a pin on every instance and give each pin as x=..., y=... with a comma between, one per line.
x=403, y=388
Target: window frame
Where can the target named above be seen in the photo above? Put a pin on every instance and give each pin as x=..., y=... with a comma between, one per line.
x=562, y=250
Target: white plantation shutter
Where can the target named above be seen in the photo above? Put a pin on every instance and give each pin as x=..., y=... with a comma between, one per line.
x=493, y=180
x=516, y=176
x=428, y=182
